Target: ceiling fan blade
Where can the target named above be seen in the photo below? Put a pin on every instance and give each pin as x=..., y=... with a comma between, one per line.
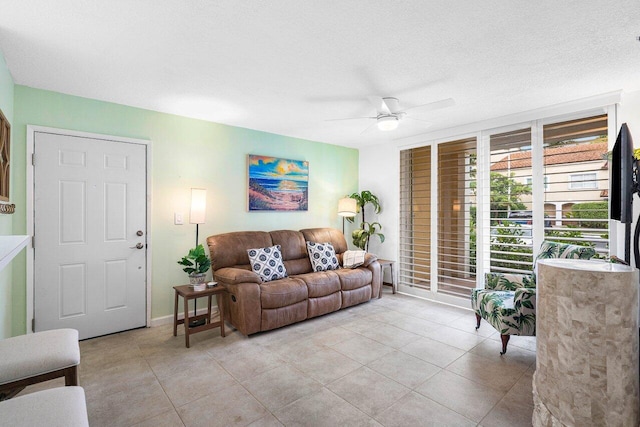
x=444, y=103
x=369, y=128
x=379, y=104
x=349, y=118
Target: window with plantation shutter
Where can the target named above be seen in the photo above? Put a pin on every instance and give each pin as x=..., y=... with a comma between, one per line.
x=576, y=202
x=457, y=217
x=415, y=218
x=511, y=210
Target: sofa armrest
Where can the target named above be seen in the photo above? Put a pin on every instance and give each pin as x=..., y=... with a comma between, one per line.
x=232, y=276
x=508, y=281
x=368, y=259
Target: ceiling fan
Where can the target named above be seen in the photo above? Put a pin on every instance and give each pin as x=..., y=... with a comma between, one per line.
x=389, y=115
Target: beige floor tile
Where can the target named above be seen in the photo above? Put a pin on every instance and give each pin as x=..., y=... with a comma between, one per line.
x=522, y=390
x=267, y=421
x=493, y=372
x=390, y=335
x=455, y=337
x=108, y=358
x=417, y=410
x=467, y=323
x=104, y=343
x=464, y=396
x=128, y=407
x=280, y=386
x=368, y=390
x=515, y=355
x=322, y=409
x=251, y=362
x=194, y=383
x=168, y=419
x=332, y=336
x=415, y=325
x=117, y=378
x=432, y=351
x=235, y=407
x=509, y=413
x=46, y=385
x=171, y=362
x=404, y=368
x=324, y=364
x=362, y=349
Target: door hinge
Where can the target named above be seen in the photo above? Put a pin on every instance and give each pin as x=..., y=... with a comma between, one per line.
x=33, y=159
x=33, y=242
x=33, y=324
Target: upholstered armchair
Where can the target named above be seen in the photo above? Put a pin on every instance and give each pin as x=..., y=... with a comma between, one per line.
x=508, y=301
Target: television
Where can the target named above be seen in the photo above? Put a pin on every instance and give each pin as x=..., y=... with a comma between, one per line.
x=623, y=186
x=622, y=179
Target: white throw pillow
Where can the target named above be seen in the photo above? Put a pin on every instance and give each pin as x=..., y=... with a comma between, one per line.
x=353, y=259
x=323, y=256
x=267, y=263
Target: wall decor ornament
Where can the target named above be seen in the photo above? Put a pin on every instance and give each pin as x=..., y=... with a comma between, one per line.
x=277, y=184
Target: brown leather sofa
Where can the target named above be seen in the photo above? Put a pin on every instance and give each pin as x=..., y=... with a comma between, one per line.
x=252, y=305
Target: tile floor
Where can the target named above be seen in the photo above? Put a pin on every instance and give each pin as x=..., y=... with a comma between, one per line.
x=396, y=361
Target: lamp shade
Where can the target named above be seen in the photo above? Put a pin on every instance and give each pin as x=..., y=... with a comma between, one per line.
x=347, y=206
x=198, y=205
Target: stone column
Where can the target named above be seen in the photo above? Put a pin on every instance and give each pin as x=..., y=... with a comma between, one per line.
x=587, y=344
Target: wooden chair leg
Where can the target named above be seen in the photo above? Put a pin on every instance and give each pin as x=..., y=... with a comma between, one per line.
x=71, y=376
x=478, y=318
x=505, y=341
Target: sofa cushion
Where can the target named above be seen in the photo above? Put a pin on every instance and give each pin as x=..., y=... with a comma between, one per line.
x=294, y=251
x=354, y=279
x=321, y=283
x=331, y=235
x=230, y=249
x=283, y=292
x=322, y=256
x=267, y=263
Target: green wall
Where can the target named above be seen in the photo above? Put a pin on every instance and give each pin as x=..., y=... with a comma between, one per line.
x=6, y=221
x=185, y=153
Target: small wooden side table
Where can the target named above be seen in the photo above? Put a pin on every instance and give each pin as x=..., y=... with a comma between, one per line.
x=187, y=293
x=387, y=263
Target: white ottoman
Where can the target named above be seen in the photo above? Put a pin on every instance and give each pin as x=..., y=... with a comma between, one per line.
x=56, y=407
x=42, y=356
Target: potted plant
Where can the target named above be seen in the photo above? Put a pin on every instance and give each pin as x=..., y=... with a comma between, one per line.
x=196, y=264
x=362, y=235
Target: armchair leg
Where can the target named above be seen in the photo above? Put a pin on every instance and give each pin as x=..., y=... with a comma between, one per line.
x=478, y=318
x=505, y=341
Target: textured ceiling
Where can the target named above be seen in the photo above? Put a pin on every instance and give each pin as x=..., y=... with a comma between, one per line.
x=287, y=66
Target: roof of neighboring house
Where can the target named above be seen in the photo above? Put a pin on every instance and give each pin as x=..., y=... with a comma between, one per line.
x=554, y=156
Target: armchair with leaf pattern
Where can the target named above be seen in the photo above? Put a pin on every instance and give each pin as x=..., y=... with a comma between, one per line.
x=508, y=300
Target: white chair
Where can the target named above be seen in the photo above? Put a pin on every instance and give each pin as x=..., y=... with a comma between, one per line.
x=42, y=356
x=56, y=407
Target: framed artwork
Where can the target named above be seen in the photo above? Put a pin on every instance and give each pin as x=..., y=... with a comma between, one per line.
x=5, y=171
x=277, y=184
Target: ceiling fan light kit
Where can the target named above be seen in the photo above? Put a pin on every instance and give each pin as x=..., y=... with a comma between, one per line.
x=389, y=114
x=387, y=123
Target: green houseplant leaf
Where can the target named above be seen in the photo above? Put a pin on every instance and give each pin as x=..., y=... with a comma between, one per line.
x=362, y=236
x=196, y=261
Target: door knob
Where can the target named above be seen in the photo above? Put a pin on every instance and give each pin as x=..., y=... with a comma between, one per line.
x=139, y=233
x=137, y=246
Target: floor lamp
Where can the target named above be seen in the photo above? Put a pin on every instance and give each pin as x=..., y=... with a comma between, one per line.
x=347, y=207
x=196, y=216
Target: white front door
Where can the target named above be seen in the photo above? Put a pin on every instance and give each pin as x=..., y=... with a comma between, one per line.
x=89, y=234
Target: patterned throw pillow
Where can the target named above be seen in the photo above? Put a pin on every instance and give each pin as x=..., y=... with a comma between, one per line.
x=323, y=256
x=267, y=263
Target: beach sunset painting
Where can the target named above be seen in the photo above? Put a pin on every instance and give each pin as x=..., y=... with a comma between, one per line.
x=277, y=184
